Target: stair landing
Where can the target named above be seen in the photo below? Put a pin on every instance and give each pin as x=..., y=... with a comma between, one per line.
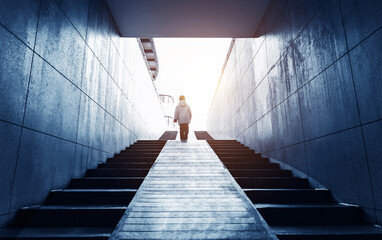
x=189, y=194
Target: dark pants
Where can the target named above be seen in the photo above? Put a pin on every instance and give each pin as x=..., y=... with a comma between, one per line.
x=183, y=131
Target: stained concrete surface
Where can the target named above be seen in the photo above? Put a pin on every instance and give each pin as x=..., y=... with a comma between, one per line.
x=367, y=77
x=53, y=102
x=361, y=19
x=53, y=160
x=189, y=194
x=15, y=64
x=21, y=18
x=374, y=149
x=8, y=156
x=72, y=93
x=307, y=92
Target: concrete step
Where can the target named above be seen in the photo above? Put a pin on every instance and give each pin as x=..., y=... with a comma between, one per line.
x=260, y=173
x=233, y=146
x=331, y=236
x=352, y=232
x=136, y=154
x=142, y=150
x=145, y=146
x=126, y=165
x=313, y=214
x=244, y=159
x=220, y=145
x=163, y=142
x=233, y=151
x=251, y=165
x=106, y=183
x=131, y=159
x=142, y=146
x=221, y=141
x=238, y=154
x=117, y=172
x=226, y=143
x=289, y=195
x=68, y=233
x=272, y=182
x=63, y=216
x=91, y=197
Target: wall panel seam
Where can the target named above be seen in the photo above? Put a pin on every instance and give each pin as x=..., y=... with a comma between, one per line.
x=83, y=59
x=86, y=43
x=298, y=89
x=70, y=80
x=310, y=20
x=25, y=106
x=358, y=111
x=276, y=63
x=323, y=136
x=48, y=134
x=298, y=95
x=266, y=75
x=82, y=91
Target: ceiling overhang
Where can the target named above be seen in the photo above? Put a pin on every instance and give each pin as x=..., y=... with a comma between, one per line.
x=188, y=18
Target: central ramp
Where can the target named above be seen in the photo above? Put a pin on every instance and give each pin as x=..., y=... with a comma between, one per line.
x=189, y=194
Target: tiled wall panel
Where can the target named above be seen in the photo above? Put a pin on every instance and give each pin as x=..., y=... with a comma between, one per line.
x=72, y=93
x=315, y=99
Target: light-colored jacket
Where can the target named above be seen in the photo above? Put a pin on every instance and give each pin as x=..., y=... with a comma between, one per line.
x=183, y=113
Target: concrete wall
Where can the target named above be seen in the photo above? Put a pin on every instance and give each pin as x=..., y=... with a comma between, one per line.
x=72, y=92
x=308, y=92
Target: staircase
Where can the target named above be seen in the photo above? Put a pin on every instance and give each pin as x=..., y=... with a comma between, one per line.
x=292, y=208
x=90, y=207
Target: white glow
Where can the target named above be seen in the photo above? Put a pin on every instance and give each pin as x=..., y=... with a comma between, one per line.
x=191, y=67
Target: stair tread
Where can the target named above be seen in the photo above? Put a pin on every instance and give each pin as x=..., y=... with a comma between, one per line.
x=253, y=177
x=108, y=178
x=267, y=178
x=283, y=190
x=327, y=229
x=116, y=169
x=127, y=163
x=75, y=207
x=95, y=190
x=134, y=158
x=272, y=182
x=303, y=205
x=55, y=231
x=249, y=162
x=237, y=158
x=262, y=169
x=236, y=150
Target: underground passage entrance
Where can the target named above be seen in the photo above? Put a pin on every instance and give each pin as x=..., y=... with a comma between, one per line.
x=286, y=95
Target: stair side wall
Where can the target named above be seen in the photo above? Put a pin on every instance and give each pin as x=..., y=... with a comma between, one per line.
x=308, y=92
x=72, y=93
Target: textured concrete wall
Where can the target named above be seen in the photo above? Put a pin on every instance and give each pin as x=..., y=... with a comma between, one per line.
x=71, y=93
x=308, y=92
